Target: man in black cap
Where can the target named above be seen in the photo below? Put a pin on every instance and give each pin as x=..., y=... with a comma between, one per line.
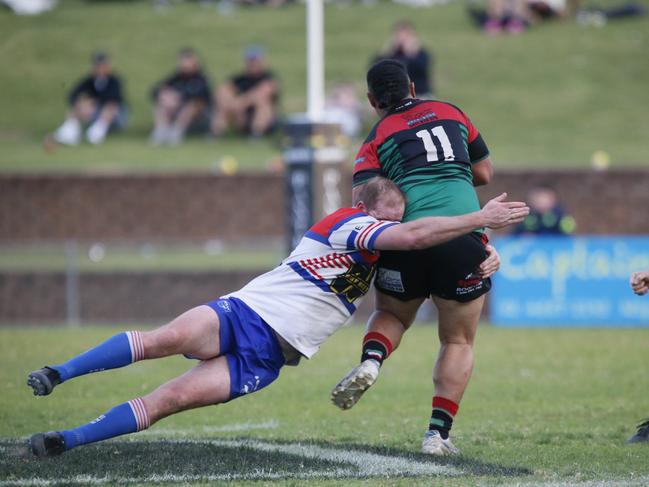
x=97, y=101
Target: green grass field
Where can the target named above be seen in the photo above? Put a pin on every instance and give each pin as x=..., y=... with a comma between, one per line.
x=552, y=96
x=545, y=407
x=143, y=258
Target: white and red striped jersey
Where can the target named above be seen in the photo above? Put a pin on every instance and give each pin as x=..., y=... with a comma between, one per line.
x=317, y=288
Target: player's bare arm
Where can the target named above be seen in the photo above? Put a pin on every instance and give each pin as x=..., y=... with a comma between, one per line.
x=429, y=231
x=483, y=172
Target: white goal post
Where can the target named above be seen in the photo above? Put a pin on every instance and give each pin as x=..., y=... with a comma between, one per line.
x=315, y=59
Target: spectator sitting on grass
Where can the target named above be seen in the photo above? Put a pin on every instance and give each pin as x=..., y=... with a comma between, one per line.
x=182, y=101
x=510, y=15
x=248, y=101
x=598, y=16
x=97, y=101
x=406, y=48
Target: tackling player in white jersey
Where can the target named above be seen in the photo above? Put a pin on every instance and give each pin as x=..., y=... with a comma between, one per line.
x=243, y=339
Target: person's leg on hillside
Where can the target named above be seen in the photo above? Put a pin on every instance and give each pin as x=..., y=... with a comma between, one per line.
x=229, y=110
x=495, y=17
x=263, y=116
x=98, y=130
x=189, y=113
x=166, y=107
x=82, y=111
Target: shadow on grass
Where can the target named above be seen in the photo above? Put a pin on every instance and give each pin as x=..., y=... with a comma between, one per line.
x=209, y=460
x=469, y=466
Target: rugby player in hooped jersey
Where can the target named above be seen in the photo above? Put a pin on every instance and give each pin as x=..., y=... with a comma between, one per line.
x=436, y=156
x=242, y=340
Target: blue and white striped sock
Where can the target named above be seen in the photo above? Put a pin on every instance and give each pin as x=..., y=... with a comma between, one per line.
x=128, y=417
x=118, y=351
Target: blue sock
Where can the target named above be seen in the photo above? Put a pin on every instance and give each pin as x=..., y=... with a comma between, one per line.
x=118, y=351
x=128, y=417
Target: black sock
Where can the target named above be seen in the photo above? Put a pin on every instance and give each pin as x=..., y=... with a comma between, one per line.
x=441, y=422
x=442, y=417
x=376, y=347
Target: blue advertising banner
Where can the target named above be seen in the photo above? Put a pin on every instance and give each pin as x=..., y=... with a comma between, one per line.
x=565, y=281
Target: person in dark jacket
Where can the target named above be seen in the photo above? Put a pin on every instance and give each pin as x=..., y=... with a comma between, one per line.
x=406, y=48
x=546, y=217
x=97, y=101
x=181, y=101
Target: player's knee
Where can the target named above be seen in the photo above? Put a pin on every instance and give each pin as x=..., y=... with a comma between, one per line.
x=164, y=340
x=176, y=399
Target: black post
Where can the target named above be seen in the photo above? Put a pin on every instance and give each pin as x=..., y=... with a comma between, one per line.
x=299, y=159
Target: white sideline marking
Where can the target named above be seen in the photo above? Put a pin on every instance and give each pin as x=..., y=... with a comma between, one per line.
x=637, y=482
x=227, y=428
x=263, y=475
x=365, y=465
x=368, y=464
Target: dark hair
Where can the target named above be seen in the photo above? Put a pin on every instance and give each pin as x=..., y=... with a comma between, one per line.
x=372, y=191
x=186, y=52
x=388, y=82
x=99, y=57
x=404, y=24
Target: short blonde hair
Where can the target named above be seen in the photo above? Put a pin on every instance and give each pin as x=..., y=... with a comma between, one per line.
x=372, y=191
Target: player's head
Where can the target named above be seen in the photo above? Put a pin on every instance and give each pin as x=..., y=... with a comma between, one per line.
x=188, y=62
x=101, y=64
x=255, y=59
x=403, y=31
x=382, y=199
x=542, y=198
x=387, y=84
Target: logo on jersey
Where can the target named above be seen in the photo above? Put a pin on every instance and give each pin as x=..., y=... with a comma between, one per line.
x=354, y=283
x=419, y=118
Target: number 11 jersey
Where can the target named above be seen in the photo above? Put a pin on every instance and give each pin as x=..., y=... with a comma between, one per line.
x=427, y=148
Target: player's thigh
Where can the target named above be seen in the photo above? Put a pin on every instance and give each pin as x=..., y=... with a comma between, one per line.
x=206, y=384
x=194, y=333
x=455, y=265
x=404, y=311
x=458, y=321
x=404, y=275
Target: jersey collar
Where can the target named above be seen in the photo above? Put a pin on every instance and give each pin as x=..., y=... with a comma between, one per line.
x=404, y=105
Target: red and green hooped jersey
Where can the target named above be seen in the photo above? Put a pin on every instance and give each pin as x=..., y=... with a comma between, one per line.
x=427, y=148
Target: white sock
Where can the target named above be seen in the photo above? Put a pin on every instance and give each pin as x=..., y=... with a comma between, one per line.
x=69, y=132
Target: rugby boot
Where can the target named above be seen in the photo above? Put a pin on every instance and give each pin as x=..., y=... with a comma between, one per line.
x=351, y=388
x=48, y=444
x=434, y=444
x=43, y=381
